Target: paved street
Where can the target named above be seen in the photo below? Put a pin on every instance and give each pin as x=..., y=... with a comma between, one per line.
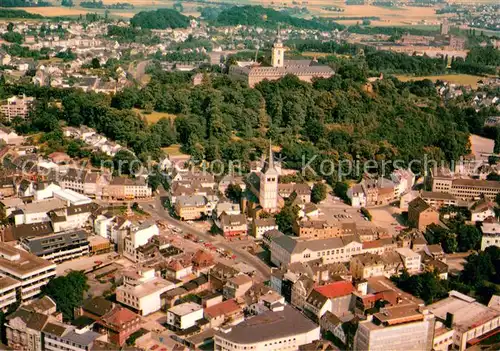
x=218, y=241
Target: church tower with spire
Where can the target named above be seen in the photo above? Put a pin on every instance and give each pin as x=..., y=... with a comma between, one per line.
x=278, y=54
x=268, y=192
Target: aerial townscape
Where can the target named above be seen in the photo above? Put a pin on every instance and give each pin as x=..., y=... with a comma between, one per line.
x=250, y=175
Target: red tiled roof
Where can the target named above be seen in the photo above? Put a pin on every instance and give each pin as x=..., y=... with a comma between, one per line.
x=118, y=316
x=201, y=257
x=224, y=308
x=372, y=244
x=336, y=289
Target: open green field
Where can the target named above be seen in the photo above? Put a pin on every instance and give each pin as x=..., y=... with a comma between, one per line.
x=463, y=79
x=154, y=116
x=173, y=150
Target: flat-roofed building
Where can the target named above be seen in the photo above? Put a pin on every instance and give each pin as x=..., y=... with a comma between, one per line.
x=8, y=288
x=184, y=316
x=16, y=106
x=470, y=320
x=438, y=200
x=37, y=211
x=400, y=327
x=411, y=260
x=141, y=290
x=58, y=247
x=281, y=328
x=465, y=189
x=138, y=236
x=31, y=271
x=468, y=189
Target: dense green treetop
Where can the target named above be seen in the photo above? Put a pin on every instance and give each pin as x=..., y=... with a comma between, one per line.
x=266, y=17
x=18, y=14
x=160, y=19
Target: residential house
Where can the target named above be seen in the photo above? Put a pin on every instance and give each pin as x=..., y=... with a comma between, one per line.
x=184, y=316
x=234, y=225
x=421, y=214
x=10, y=137
x=411, y=260
x=237, y=286
x=227, y=312
x=491, y=233
x=263, y=225
x=118, y=324
x=334, y=297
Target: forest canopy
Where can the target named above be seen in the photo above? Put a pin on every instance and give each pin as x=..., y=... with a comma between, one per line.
x=160, y=19
x=266, y=17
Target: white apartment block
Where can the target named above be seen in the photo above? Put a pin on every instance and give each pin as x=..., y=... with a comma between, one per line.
x=138, y=236
x=31, y=271
x=491, y=234
x=262, y=225
x=16, y=106
x=142, y=289
x=36, y=212
x=411, y=260
x=8, y=287
x=184, y=316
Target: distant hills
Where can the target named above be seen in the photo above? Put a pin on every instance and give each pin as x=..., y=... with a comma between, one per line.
x=266, y=17
x=232, y=16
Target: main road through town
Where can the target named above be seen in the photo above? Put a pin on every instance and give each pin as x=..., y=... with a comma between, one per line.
x=240, y=253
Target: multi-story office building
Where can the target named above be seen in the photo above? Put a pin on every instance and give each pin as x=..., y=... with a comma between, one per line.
x=31, y=271
x=58, y=247
x=465, y=189
x=400, y=327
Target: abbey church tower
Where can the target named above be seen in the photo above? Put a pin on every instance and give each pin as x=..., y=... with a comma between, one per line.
x=268, y=192
x=278, y=55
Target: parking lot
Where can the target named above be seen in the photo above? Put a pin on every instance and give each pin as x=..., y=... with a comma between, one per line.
x=388, y=217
